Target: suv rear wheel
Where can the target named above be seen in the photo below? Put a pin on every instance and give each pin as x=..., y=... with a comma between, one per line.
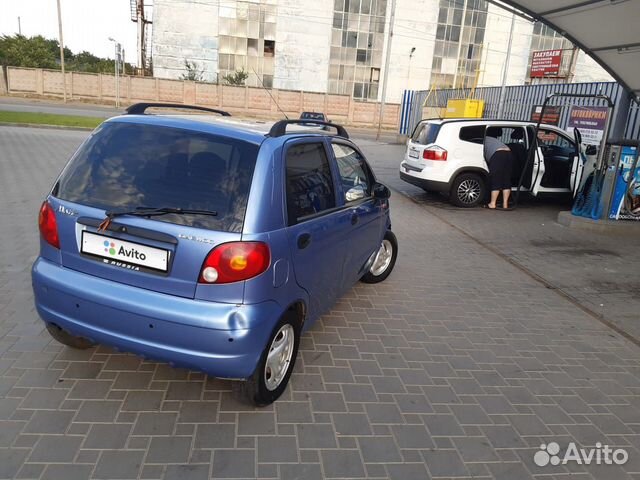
x=468, y=190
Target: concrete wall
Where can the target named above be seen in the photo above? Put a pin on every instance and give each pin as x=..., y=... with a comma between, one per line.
x=494, y=53
x=243, y=101
x=185, y=30
x=303, y=47
x=404, y=72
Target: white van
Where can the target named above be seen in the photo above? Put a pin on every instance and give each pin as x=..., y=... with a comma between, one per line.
x=446, y=155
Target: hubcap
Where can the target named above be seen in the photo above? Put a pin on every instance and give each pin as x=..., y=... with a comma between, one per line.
x=279, y=357
x=383, y=258
x=469, y=191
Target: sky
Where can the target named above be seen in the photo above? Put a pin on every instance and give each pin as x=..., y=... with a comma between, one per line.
x=86, y=24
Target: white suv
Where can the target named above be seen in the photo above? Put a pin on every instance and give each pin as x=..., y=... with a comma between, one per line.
x=447, y=156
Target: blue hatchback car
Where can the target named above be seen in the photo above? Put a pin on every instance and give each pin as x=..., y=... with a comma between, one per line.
x=208, y=243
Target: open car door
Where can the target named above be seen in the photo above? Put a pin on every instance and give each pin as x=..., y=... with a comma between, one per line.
x=538, y=167
x=577, y=167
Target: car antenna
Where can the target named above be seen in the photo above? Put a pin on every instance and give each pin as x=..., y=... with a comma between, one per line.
x=267, y=90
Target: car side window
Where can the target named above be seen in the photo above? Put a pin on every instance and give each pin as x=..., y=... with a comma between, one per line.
x=355, y=176
x=473, y=134
x=551, y=138
x=310, y=187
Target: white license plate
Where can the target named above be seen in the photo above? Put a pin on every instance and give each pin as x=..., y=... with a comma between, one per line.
x=123, y=251
x=413, y=153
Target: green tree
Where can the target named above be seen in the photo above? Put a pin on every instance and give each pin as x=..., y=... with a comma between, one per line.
x=194, y=72
x=39, y=52
x=236, y=78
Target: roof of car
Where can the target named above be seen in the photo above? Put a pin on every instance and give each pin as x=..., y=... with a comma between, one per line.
x=254, y=131
x=483, y=121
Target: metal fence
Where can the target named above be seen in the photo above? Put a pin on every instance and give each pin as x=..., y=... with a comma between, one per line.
x=520, y=100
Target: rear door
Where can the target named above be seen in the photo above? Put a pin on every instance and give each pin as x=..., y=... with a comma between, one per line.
x=578, y=164
x=317, y=223
x=355, y=189
x=126, y=165
x=424, y=134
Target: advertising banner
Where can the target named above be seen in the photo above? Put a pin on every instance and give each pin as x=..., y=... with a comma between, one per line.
x=551, y=114
x=545, y=63
x=591, y=121
x=625, y=203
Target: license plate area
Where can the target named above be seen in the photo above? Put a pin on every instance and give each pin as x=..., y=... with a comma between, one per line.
x=117, y=251
x=414, y=154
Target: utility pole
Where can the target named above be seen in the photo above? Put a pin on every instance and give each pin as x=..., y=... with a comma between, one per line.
x=464, y=15
x=385, y=77
x=19, y=27
x=505, y=72
x=141, y=31
x=117, y=69
x=64, y=78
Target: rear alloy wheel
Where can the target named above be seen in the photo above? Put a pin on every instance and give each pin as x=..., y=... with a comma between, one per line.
x=272, y=375
x=468, y=190
x=384, y=260
x=67, y=339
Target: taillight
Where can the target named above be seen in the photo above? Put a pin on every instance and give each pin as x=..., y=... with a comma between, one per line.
x=48, y=226
x=434, y=153
x=234, y=262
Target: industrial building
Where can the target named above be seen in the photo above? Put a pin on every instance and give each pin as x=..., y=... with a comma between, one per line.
x=340, y=46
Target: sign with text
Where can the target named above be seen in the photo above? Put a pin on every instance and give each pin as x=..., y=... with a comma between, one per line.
x=591, y=122
x=545, y=63
x=551, y=114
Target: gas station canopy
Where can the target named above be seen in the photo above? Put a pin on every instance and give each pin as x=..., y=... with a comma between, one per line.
x=607, y=30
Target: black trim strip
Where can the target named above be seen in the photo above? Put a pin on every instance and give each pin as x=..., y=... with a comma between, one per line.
x=135, y=231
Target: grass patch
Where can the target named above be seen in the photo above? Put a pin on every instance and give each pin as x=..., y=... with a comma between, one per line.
x=49, y=119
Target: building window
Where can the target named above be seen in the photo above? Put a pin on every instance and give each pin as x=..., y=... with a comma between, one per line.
x=247, y=40
x=356, y=47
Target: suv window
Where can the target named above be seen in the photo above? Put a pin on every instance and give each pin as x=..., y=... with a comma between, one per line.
x=309, y=184
x=125, y=165
x=473, y=134
x=353, y=170
x=552, y=138
x=425, y=133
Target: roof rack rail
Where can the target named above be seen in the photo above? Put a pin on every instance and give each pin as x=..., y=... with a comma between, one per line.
x=140, y=108
x=280, y=127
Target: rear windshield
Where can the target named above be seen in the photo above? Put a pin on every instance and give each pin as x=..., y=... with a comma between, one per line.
x=312, y=116
x=425, y=133
x=125, y=165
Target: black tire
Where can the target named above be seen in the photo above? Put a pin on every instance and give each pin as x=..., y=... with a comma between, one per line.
x=67, y=339
x=468, y=190
x=370, y=277
x=255, y=389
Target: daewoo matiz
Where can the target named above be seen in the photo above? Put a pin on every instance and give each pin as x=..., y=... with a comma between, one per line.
x=208, y=243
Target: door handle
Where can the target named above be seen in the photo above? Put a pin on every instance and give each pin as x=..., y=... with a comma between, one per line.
x=354, y=218
x=304, y=239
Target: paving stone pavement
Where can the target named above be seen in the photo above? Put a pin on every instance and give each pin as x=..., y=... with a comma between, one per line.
x=458, y=366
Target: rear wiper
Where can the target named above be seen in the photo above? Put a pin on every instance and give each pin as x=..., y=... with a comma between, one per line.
x=152, y=212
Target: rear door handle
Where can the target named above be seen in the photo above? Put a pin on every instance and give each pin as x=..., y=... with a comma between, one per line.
x=304, y=239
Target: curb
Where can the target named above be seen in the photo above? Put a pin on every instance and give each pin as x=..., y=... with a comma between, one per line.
x=38, y=125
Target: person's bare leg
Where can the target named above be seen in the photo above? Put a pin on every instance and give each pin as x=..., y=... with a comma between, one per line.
x=494, y=198
x=505, y=197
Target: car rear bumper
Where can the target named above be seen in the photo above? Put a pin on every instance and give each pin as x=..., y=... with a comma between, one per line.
x=430, y=185
x=223, y=340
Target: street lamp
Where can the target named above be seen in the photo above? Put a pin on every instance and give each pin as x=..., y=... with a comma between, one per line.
x=117, y=69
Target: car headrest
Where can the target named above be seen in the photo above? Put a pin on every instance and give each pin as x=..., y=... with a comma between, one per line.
x=206, y=164
x=517, y=134
x=495, y=132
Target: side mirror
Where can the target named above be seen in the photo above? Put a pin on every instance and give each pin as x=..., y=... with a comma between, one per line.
x=355, y=193
x=381, y=191
x=591, y=150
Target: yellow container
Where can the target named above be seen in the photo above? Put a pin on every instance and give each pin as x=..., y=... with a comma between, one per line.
x=464, y=108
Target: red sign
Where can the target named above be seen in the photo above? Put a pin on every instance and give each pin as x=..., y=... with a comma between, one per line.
x=546, y=63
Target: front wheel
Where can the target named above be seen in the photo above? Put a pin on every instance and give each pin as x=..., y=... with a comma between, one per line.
x=468, y=190
x=384, y=260
x=272, y=375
